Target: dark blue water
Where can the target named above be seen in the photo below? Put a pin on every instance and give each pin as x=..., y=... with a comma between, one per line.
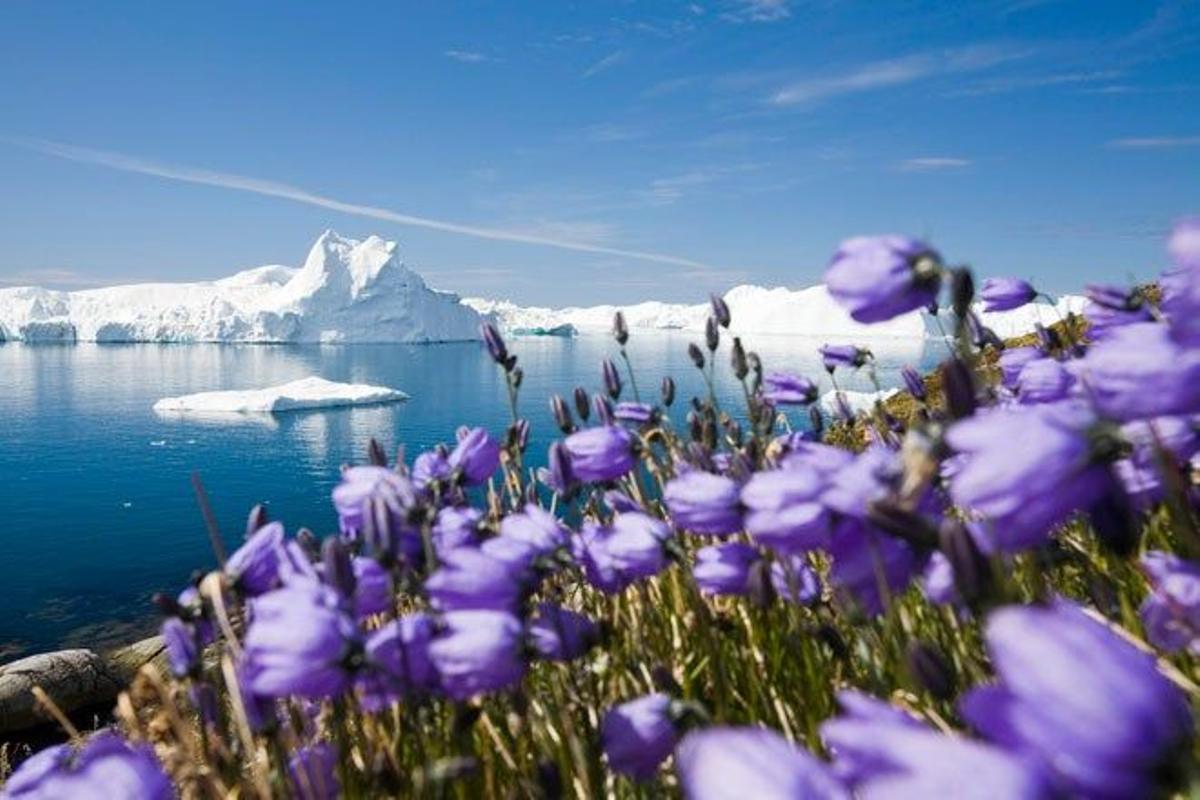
x=96, y=508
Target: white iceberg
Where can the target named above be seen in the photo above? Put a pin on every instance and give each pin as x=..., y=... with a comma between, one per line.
x=306, y=393
x=347, y=291
x=761, y=311
x=857, y=402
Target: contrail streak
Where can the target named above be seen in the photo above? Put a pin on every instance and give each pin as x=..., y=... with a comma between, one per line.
x=243, y=183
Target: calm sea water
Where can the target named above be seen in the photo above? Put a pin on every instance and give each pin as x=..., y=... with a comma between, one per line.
x=96, y=509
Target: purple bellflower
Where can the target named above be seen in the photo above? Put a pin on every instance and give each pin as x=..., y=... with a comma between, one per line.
x=876, y=278
x=1077, y=698
x=784, y=511
x=478, y=651
x=843, y=355
x=477, y=455
x=1013, y=360
x=724, y=569
x=312, y=773
x=106, y=767
x=1005, y=294
x=1027, y=470
x=704, y=503
x=1139, y=371
x=468, y=578
x=788, y=389
x=300, y=642
x=603, y=453
x=254, y=567
x=1171, y=612
x=639, y=735
x=559, y=634
x=722, y=763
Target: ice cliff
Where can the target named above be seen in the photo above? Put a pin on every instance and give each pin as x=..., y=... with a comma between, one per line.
x=346, y=291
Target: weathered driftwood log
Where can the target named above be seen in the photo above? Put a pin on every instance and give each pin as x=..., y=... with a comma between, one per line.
x=74, y=679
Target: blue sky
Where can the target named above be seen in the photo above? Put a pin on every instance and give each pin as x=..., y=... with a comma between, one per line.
x=580, y=152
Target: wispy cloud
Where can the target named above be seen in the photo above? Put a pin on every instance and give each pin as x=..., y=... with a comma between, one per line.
x=932, y=164
x=608, y=62
x=1028, y=82
x=186, y=174
x=896, y=72
x=467, y=56
x=1155, y=142
x=669, y=190
x=758, y=11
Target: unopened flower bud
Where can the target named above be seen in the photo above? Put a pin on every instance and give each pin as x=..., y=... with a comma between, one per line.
x=816, y=420
x=582, y=403
x=929, y=668
x=375, y=454
x=339, y=571
x=518, y=375
x=737, y=359
x=973, y=580
x=612, y=378
x=668, y=391
x=914, y=383
x=258, y=518
x=562, y=414
x=720, y=310
x=958, y=388
x=494, y=342
x=696, y=355
x=620, y=328
x=712, y=335
x=604, y=410
x=962, y=291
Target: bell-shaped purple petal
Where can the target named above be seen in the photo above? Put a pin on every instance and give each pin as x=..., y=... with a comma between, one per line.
x=783, y=509
x=876, y=278
x=788, y=389
x=398, y=662
x=456, y=526
x=1027, y=469
x=559, y=634
x=1005, y=294
x=639, y=735
x=603, y=453
x=477, y=455
x=701, y=502
x=372, y=587
x=636, y=413
x=795, y=580
x=430, y=466
x=1013, y=360
x=478, y=651
x=254, y=567
x=312, y=773
x=724, y=569
x=1139, y=371
x=105, y=767
x=1044, y=380
x=722, y=763
x=1073, y=695
x=298, y=642
x=867, y=563
x=361, y=485
x=1171, y=612
x=843, y=355
x=468, y=578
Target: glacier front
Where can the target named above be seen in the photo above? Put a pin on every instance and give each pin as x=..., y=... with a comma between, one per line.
x=347, y=291
x=810, y=311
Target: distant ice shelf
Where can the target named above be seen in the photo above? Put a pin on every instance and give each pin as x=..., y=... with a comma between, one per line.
x=758, y=310
x=306, y=393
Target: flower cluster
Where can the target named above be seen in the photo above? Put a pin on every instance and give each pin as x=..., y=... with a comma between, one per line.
x=988, y=590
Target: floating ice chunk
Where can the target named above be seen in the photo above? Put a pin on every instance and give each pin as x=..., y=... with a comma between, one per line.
x=312, y=392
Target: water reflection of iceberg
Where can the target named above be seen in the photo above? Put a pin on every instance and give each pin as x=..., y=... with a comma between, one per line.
x=220, y=418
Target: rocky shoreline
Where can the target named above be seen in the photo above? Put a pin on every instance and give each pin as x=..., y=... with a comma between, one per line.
x=76, y=679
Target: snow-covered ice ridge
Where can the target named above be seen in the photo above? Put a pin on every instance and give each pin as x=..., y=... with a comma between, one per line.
x=311, y=392
x=758, y=310
x=347, y=291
